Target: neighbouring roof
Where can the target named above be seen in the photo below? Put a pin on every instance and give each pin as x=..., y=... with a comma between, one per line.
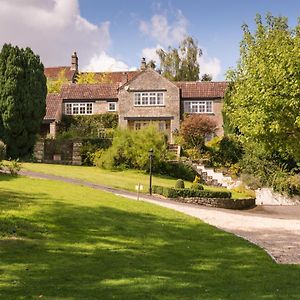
x=74, y=91
x=53, y=106
x=202, y=89
x=54, y=72
x=115, y=77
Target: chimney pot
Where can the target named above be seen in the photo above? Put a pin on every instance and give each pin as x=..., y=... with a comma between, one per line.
x=74, y=62
x=143, y=63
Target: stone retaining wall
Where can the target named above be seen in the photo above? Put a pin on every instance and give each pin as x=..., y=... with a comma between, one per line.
x=66, y=152
x=266, y=196
x=219, y=202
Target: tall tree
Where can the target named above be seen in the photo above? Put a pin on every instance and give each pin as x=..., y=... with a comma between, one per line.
x=22, y=99
x=181, y=64
x=263, y=102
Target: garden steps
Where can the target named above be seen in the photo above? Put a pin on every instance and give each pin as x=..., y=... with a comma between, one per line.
x=175, y=149
x=211, y=177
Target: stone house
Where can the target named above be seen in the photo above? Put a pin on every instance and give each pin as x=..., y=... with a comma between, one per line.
x=139, y=98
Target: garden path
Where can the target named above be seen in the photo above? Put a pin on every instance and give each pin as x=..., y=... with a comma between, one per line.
x=274, y=228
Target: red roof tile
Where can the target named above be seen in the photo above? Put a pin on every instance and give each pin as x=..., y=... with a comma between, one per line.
x=54, y=72
x=202, y=89
x=89, y=91
x=115, y=77
x=53, y=107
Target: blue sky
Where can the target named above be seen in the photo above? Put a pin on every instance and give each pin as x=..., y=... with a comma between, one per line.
x=114, y=35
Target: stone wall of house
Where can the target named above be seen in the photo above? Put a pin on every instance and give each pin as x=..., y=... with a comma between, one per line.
x=150, y=80
x=220, y=202
x=216, y=115
x=101, y=106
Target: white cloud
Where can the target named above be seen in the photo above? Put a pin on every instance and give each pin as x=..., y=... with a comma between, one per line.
x=162, y=31
x=53, y=29
x=150, y=53
x=104, y=62
x=210, y=65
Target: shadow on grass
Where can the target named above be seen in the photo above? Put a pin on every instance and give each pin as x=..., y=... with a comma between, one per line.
x=107, y=252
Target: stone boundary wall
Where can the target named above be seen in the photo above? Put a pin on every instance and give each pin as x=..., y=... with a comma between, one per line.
x=219, y=202
x=68, y=154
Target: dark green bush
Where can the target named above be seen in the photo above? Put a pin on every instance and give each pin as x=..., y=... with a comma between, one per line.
x=177, y=170
x=189, y=193
x=93, y=126
x=197, y=186
x=179, y=184
x=90, y=147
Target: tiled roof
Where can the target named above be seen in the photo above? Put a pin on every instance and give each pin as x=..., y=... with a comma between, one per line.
x=53, y=107
x=202, y=89
x=74, y=91
x=115, y=77
x=53, y=72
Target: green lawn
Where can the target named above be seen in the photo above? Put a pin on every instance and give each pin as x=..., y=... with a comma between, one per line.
x=126, y=179
x=59, y=241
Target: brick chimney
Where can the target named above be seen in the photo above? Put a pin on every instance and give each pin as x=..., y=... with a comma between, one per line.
x=143, y=63
x=74, y=62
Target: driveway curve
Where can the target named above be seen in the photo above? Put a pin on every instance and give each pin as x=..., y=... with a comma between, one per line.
x=274, y=228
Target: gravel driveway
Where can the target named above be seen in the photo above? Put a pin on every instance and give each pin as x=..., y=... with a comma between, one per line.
x=274, y=228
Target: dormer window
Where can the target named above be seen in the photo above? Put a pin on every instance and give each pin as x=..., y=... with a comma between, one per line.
x=148, y=99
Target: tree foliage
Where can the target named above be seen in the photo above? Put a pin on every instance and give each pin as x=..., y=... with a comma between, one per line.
x=263, y=103
x=54, y=85
x=181, y=64
x=22, y=99
x=194, y=128
x=91, y=78
x=206, y=77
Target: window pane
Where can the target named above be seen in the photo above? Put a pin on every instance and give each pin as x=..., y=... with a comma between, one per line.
x=82, y=109
x=209, y=106
x=112, y=106
x=68, y=108
x=145, y=99
x=152, y=98
x=160, y=98
x=137, y=99
x=89, y=108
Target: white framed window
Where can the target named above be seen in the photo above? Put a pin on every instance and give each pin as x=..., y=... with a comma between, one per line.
x=198, y=107
x=148, y=99
x=79, y=108
x=112, y=106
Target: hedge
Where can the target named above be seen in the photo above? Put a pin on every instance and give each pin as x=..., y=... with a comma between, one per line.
x=189, y=193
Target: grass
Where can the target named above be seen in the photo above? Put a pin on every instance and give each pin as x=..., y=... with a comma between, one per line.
x=126, y=180
x=59, y=241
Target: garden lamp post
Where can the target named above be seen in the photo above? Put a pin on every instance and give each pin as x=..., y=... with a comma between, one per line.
x=150, y=169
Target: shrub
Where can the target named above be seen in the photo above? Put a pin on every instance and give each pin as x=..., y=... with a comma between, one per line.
x=179, y=184
x=177, y=170
x=130, y=149
x=94, y=126
x=194, y=128
x=197, y=179
x=12, y=166
x=197, y=186
x=189, y=193
x=89, y=148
